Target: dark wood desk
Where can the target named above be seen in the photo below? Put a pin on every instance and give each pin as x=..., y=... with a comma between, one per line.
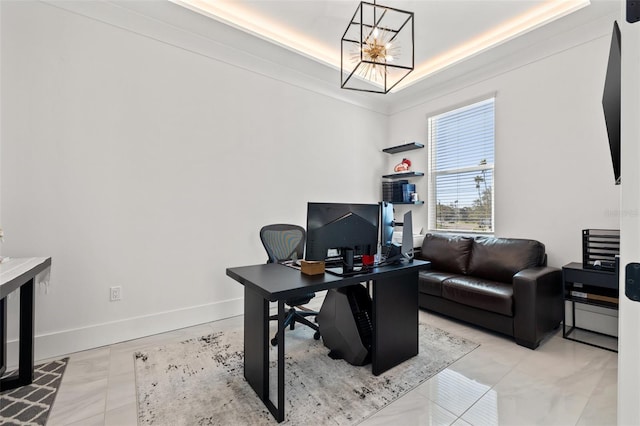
x=19, y=274
x=394, y=317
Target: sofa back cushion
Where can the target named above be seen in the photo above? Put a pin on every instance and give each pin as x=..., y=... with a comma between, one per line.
x=499, y=259
x=448, y=253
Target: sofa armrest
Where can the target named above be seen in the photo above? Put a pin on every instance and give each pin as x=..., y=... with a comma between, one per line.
x=537, y=299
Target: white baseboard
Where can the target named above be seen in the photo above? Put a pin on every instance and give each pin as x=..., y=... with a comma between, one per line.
x=69, y=341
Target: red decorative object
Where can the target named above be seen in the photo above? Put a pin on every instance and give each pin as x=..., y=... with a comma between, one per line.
x=404, y=166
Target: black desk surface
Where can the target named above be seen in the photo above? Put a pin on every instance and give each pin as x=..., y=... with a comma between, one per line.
x=277, y=282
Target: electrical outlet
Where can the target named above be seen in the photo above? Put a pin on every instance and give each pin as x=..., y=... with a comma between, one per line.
x=115, y=293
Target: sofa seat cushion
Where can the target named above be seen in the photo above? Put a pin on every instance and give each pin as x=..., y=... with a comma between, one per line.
x=448, y=253
x=499, y=259
x=480, y=293
x=430, y=282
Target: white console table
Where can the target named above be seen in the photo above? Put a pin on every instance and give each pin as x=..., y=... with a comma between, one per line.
x=19, y=273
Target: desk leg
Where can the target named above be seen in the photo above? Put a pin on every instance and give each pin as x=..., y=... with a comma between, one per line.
x=566, y=330
x=3, y=336
x=279, y=415
x=256, y=350
x=256, y=341
x=26, y=336
x=395, y=321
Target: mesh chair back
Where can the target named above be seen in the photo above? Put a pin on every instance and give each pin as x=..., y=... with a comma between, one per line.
x=283, y=242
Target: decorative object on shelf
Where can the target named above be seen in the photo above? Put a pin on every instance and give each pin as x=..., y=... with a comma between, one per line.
x=398, y=190
x=403, y=166
x=377, y=48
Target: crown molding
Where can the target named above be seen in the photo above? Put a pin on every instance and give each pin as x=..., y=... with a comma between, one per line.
x=588, y=24
x=182, y=28
x=173, y=24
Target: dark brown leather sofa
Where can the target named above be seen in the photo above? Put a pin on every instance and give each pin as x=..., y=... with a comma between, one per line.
x=502, y=284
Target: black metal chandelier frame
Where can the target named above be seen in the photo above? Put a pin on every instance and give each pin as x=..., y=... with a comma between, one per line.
x=366, y=31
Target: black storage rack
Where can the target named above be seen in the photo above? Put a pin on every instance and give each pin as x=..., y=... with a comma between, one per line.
x=600, y=248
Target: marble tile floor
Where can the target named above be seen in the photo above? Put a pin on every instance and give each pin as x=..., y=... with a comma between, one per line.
x=499, y=383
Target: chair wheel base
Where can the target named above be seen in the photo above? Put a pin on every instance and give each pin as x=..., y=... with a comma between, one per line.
x=274, y=342
x=316, y=335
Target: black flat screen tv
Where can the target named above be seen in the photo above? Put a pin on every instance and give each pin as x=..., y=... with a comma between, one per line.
x=611, y=100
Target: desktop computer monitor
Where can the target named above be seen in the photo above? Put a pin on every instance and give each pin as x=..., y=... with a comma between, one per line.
x=348, y=230
x=404, y=252
x=387, y=225
x=407, y=236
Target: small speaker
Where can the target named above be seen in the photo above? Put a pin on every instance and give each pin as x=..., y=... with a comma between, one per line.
x=633, y=11
x=632, y=281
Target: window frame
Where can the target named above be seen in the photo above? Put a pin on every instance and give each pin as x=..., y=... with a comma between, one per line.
x=432, y=199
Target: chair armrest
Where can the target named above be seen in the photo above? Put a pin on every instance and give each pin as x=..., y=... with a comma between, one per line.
x=537, y=298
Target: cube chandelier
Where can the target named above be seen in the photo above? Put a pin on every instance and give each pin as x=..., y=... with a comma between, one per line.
x=377, y=48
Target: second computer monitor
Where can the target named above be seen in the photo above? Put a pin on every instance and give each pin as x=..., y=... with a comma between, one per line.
x=387, y=225
x=407, y=236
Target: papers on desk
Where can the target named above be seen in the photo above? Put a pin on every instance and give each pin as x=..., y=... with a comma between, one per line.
x=295, y=264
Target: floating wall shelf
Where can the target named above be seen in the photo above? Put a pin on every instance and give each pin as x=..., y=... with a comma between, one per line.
x=415, y=203
x=401, y=148
x=403, y=175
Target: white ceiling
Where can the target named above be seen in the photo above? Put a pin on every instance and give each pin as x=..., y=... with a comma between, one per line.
x=446, y=31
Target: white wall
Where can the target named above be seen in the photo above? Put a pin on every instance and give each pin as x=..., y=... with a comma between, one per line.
x=139, y=155
x=553, y=169
x=553, y=173
x=132, y=161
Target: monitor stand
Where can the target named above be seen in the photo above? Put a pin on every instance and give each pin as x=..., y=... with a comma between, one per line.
x=341, y=273
x=348, y=269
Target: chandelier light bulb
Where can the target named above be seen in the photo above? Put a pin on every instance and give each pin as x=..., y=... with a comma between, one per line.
x=376, y=49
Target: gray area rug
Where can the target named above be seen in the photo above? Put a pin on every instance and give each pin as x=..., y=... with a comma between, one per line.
x=200, y=381
x=31, y=404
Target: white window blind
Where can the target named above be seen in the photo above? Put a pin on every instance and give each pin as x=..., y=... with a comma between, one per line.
x=461, y=165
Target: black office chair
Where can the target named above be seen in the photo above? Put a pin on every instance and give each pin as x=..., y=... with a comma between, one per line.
x=286, y=242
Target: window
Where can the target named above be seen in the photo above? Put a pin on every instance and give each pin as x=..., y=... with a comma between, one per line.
x=461, y=150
